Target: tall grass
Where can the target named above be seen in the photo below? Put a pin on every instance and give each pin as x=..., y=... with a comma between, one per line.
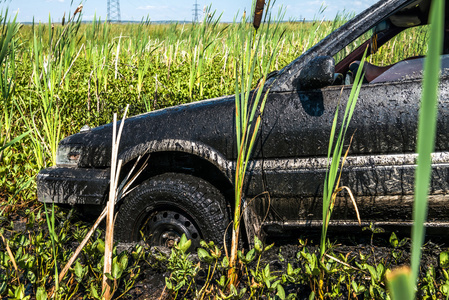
x=201, y=41
x=249, y=108
x=9, y=135
x=334, y=155
x=426, y=130
x=404, y=280
x=197, y=61
x=8, y=49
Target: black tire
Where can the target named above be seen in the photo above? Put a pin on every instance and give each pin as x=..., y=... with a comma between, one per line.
x=166, y=206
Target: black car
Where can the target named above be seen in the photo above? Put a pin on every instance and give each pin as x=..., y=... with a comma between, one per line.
x=188, y=184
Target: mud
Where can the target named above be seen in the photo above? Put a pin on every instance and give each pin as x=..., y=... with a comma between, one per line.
x=376, y=249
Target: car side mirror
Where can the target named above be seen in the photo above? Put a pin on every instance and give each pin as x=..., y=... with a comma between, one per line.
x=317, y=73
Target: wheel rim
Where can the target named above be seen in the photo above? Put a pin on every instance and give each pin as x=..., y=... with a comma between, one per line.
x=165, y=228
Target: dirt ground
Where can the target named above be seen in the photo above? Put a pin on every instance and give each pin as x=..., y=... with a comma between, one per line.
x=376, y=248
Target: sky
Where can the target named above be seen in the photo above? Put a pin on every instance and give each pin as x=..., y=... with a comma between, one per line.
x=179, y=10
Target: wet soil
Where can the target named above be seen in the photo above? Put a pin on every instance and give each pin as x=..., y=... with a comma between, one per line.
x=376, y=249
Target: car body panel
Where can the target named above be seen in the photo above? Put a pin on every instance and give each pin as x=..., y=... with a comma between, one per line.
x=80, y=186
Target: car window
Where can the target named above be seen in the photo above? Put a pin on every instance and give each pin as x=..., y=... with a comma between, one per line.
x=351, y=47
x=410, y=42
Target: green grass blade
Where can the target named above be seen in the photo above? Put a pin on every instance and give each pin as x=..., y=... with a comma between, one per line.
x=399, y=284
x=15, y=140
x=426, y=132
x=337, y=150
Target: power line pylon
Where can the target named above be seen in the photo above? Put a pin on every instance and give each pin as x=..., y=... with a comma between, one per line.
x=114, y=11
x=196, y=10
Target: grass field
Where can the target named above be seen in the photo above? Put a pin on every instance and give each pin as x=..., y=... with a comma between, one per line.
x=57, y=78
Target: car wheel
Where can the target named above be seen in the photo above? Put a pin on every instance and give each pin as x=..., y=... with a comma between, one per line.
x=164, y=207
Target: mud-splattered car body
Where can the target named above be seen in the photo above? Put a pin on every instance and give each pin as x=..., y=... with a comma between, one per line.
x=289, y=162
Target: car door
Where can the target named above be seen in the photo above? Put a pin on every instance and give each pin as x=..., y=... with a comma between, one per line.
x=380, y=166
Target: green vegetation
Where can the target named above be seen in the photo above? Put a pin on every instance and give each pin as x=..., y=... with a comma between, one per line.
x=249, y=108
x=403, y=281
x=335, y=160
x=55, y=78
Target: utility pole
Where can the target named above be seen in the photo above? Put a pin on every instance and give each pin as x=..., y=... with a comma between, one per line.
x=114, y=11
x=195, y=10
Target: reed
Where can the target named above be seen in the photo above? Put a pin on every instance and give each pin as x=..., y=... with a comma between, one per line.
x=47, y=129
x=201, y=41
x=403, y=282
x=8, y=49
x=334, y=156
x=113, y=193
x=249, y=108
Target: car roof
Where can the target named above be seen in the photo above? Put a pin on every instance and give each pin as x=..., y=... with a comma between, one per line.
x=400, y=13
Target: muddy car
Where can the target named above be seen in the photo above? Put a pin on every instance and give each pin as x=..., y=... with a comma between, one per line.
x=188, y=184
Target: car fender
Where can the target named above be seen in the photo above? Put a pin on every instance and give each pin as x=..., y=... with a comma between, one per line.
x=178, y=145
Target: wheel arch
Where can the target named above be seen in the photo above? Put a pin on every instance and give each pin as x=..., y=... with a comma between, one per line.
x=182, y=156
